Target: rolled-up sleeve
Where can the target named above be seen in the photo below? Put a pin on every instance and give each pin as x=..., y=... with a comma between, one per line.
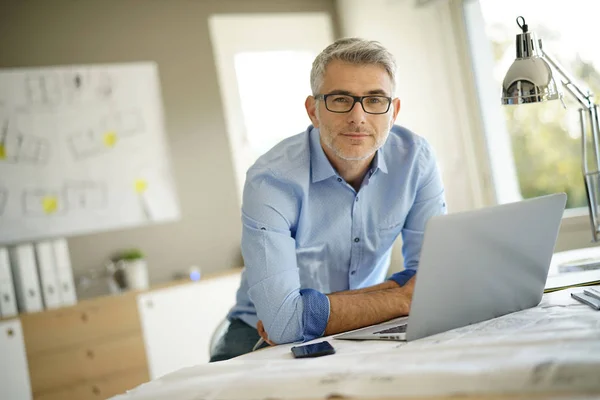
x=269, y=211
x=429, y=201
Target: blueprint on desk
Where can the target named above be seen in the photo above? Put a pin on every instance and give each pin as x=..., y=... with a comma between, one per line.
x=554, y=347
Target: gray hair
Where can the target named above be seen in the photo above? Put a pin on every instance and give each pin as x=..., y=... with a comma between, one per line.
x=354, y=51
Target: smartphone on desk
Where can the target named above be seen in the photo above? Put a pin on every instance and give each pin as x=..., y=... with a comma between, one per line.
x=313, y=350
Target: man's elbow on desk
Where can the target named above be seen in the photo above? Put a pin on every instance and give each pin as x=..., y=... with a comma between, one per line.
x=276, y=338
x=307, y=321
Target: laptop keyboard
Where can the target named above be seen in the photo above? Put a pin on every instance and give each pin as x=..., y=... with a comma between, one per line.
x=394, y=329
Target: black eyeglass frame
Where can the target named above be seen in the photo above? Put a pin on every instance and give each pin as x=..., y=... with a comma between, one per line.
x=357, y=99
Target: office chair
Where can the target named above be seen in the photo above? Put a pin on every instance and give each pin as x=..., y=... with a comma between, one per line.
x=217, y=334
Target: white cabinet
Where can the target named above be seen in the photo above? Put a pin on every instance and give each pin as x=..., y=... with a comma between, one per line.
x=178, y=322
x=14, y=375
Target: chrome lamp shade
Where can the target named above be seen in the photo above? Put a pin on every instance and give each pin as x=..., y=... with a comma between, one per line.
x=530, y=80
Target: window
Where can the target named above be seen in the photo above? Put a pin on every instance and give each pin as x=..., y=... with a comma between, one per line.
x=273, y=86
x=265, y=78
x=534, y=149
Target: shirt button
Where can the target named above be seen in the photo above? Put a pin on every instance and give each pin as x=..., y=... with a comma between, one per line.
x=356, y=198
x=356, y=240
x=352, y=273
x=339, y=179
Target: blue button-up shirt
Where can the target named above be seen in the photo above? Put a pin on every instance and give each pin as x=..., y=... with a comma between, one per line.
x=307, y=232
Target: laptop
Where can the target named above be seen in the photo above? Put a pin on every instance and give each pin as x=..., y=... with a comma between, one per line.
x=477, y=265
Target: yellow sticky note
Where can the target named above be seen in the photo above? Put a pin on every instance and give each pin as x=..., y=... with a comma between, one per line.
x=2, y=152
x=110, y=139
x=49, y=204
x=140, y=186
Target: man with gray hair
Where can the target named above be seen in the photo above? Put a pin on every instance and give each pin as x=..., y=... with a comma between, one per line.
x=322, y=209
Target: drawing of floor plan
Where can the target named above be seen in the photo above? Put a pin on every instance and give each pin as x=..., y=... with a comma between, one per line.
x=104, y=86
x=82, y=86
x=74, y=195
x=105, y=134
x=76, y=84
x=16, y=147
x=86, y=143
x=125, y=123
x=33, y=150
x=42, y=202
x=85, y=195
x=43, y=89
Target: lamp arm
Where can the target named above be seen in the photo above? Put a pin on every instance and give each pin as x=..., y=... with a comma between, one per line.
x=582, y=95
x=588, y=115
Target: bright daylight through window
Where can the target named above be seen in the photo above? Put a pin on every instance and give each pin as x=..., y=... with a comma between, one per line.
x=545, y=138
x=273, y=84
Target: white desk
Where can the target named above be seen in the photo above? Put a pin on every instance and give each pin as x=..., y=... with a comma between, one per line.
x=536, y=353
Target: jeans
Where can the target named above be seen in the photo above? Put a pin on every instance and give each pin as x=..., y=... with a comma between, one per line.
x=239, y=339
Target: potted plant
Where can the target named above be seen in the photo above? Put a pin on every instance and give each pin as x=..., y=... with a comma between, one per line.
x=131, y=269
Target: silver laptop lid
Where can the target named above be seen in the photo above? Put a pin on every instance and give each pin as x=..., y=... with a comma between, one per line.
x=482, y=264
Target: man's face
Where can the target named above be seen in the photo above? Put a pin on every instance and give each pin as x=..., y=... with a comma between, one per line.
x=355, y=135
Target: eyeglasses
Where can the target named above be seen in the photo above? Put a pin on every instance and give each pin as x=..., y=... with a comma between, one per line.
x=342, y=103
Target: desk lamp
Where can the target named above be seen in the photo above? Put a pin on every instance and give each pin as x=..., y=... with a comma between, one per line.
x=529, y=80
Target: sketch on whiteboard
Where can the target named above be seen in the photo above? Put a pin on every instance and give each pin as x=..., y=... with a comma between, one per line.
x=43, y=89
x=75, y=86
x=33, y=150
x=108, y=132
x=74, y=195
x=16, y=147
x=43, y=202
x=3, y=199
x=76, y=83
x=87, y=143
x=125, y=123
x=98, y=133
x=85, y=195
x=82, y=86
x=105, y=86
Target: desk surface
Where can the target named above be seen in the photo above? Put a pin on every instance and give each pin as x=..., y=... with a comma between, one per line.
x=551, y=351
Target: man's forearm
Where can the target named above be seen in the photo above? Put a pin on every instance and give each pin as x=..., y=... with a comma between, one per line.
x=355, y=310
x=382, y=286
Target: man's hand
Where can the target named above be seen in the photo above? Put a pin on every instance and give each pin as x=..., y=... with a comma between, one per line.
x=263, y=334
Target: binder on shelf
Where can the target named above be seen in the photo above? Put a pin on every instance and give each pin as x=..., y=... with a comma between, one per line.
x=8, y=301
x=64, y=272
x=47, y=271
x=25, y=276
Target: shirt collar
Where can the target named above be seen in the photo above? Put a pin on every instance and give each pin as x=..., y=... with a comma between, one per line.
x=322, y=169
x=379, y=161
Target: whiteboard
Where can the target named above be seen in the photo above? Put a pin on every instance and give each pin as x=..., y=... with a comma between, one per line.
x=82, y=149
